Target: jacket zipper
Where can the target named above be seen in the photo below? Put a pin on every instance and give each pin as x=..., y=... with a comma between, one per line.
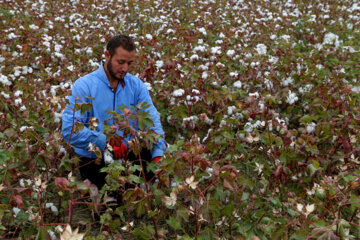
x=114, y=91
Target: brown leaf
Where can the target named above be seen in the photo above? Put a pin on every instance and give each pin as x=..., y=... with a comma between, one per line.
x=18, y=201
x=228, y=185
x=62, y=183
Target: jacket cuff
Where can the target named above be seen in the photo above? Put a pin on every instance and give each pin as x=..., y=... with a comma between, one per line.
x=157, y=153
x=101, y=141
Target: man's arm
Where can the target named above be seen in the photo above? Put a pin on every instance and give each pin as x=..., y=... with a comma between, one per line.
x=144, y=96
x=70, y=116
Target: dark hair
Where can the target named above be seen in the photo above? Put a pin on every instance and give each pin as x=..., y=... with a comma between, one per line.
x=120, y=40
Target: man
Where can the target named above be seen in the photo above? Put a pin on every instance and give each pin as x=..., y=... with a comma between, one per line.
x=105, y=89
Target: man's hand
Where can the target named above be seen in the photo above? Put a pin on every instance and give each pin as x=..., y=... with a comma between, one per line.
x=120, y=151
x=156, y=159
x=119, y=148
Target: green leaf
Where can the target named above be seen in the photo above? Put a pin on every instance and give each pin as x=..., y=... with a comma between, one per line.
x=10, y=132
x=308, y=119
x=207, y=234
x=228, y=209
x=173, y=223
x=91, y=98
x=136, y=168
x=42, y=234
x=348, y=178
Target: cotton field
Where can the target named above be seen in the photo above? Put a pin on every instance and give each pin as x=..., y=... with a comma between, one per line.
x=259, y=101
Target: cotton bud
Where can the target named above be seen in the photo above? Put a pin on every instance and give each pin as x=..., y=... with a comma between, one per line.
x=320, y=193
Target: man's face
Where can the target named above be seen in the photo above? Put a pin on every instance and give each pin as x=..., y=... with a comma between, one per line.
x=119, y=63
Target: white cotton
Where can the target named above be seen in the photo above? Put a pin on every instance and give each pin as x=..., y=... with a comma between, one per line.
x=18, y=93
x=23, y=181
x=233, y=74
x=203, y=31
x=57, y=117
x=204, y=75
x=194, y=57
x=237, y=84
x=248, y=127
x=292, y=98
x=149, y=36
x=18, y=101
x=5, y=95
x=33, y=27
x=52, y=235
x=331, y=38
x=220, y=65
x=148, y=86
x=192, y=120
x=261, y=49
x=51, y=206
x=230, y=53
x=273, y=59
x=23, y=108
x=71, y=68
x=89, y=51
x=273, y=37
x=12, y=36
x=5, y=80
x=310, y=128
x=286, y=82
x=255, y=94
x=23, y=128
x=230, y=109
x=57, y=48
x=216, y=50
x=108, y=157
x=195, y=91
x=285, y=37
x=199, y=48
x=178, y=93
x=355, y=7
x=159, y=64
x=16, y=210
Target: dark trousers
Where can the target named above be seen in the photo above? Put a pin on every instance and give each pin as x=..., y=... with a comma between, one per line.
x=91, y=171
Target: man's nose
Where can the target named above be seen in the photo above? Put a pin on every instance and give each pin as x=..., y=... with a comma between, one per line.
x=125, y=67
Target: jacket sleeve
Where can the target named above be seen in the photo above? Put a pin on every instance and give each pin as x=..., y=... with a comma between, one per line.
x=70, y=116
x=144, y=96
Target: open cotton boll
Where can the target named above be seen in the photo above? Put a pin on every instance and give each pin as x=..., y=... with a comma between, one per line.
x=108, y=157
x=178, y=93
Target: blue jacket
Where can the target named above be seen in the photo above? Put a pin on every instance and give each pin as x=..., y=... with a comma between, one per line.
x=96, y=85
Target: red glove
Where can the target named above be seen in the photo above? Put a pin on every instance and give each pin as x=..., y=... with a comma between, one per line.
x=156, y=159
x=119, y=148
x=120, y=151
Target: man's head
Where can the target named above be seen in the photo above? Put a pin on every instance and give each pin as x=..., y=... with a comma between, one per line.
x=119, y=56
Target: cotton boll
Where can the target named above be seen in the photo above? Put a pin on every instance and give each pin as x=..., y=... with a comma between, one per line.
x=230, y=109
x=18, y=101
x=108, y=157
x=16, y=210
x=310, y=128
x=178, y=93
x=261, y=49
x=4, y=80
x=230, y=53
x=237, y=84
x=292, y=98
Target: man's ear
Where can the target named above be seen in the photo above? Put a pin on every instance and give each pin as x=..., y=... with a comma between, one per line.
x=107, y=55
